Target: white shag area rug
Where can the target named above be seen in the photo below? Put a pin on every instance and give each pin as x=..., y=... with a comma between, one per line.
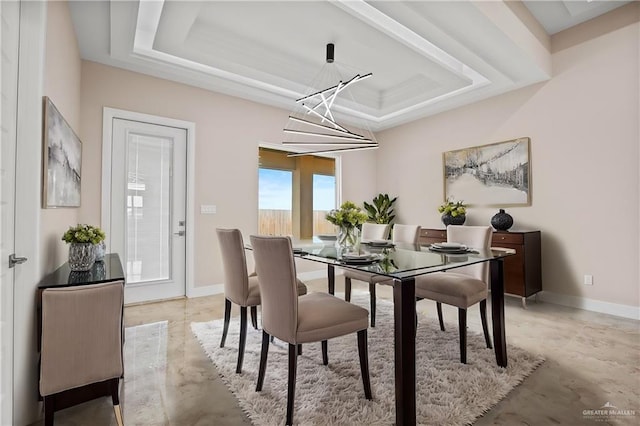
x=447, y=392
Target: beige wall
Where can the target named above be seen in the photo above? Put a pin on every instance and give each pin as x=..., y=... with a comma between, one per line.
x=584, y=130
x=61, y=84
x=583, y=124
x=228, y=131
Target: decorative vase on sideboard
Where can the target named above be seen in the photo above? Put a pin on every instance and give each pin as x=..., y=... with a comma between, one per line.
x=81, y=256
x=502, y=221
x=448, y=219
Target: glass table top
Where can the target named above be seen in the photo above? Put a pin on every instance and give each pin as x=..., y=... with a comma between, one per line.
x=398, y=261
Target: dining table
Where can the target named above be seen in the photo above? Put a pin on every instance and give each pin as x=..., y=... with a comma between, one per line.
x=401, y=264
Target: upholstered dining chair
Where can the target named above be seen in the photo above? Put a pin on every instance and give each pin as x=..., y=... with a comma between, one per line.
x=375, y=231
x=315, y=317
x=461, y=287
x=81, y=346
x=240, y=287
x=401, y=234
x=370, y=232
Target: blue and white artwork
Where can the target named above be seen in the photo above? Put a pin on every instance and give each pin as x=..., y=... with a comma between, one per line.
x=489, y=175
x=63, y=160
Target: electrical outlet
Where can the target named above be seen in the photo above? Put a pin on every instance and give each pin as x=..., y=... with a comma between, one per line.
x=208, y=209
x=588, y=280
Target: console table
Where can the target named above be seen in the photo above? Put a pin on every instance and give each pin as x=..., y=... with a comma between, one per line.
x=108, y=270
x=522, y=272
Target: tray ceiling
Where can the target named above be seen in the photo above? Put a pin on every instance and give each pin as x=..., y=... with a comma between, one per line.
x=426, y=57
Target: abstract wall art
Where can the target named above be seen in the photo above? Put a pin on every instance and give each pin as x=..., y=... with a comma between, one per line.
x=497, y=174
x=62, y=160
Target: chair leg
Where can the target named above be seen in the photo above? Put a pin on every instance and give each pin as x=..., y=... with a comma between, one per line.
x=227, y=318
x=118, y=413
x=372, y=296
x=263, y=360
x=254, y=317
x=363, y=351
x=300, y=349
x=114, y=385
x=325, y=353
x=483, y=317
x=291, y=392
x=49, y=409
x=462, y=322
x=439, y=309
x=243, y=337
x=347, y=289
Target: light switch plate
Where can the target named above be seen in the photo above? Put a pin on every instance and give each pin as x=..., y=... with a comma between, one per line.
x=208, y=209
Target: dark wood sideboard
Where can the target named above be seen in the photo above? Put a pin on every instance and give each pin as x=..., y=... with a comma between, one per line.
x=522, y=272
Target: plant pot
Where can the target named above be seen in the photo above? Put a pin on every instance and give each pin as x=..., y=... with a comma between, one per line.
x=447, y=219
x=81, y=256
x=502, y=221
x=100, y=249
x=348, y=240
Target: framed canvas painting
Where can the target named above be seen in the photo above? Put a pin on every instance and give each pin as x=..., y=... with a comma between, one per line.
x=62, y=160
x=497, y=174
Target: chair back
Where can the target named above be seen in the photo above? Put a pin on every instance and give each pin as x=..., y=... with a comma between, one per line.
x=278, y=285
x=81, y=336
x=478, y=237
x=375, y=231
x=234, y=263
x=408, y=234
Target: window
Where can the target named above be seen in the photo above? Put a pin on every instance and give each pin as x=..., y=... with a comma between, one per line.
x=274, y=201
x=294, y=194
x=324, y=199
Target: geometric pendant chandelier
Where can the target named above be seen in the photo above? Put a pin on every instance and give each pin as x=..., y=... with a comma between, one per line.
x=313, y=124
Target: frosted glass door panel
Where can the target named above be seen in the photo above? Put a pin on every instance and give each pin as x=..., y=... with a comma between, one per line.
x=148, y=208
x=149, y=230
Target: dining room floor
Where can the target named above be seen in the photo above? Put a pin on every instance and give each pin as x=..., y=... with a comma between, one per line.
x=591, y=360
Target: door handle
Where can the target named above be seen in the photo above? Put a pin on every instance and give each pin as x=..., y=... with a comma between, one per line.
x=13, y=260
x=179, y=233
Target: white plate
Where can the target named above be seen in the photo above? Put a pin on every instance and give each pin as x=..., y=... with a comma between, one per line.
x=356, y=256
x=380, y=242
x=326, y=237
x=449, y=245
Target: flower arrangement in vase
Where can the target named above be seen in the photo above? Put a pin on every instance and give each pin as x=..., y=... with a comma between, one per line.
x=82, y=240
x=348, y=218
x=453, y=212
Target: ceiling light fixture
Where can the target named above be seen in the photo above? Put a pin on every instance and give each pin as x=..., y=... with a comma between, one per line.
x=315, y=118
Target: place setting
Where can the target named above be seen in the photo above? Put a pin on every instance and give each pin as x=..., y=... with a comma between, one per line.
x=451, y=248
x=379, y=243
x=359, y=258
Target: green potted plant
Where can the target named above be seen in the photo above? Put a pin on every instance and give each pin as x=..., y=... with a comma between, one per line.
x=348, y=218
x=82, y=240
x=453, y=212
x=381, y=211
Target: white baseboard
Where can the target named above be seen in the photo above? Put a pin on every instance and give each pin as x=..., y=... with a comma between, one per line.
x=207, y=290
x=210, y=290
x=624, y=311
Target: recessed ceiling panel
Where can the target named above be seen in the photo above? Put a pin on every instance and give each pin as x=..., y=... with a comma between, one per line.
x=284, y=43
x=425, y=56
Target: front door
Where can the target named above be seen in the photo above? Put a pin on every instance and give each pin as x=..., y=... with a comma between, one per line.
x=148, y=208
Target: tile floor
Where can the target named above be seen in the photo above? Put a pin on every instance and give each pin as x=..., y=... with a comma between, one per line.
x=591, y=359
